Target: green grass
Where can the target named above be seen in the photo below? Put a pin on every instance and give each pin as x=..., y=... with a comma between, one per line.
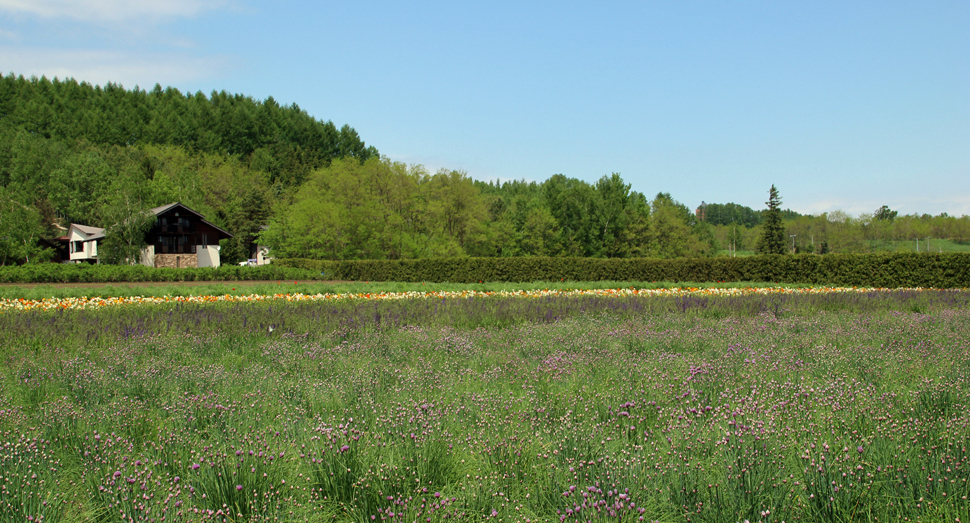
x=890, y=246
x=935, y=245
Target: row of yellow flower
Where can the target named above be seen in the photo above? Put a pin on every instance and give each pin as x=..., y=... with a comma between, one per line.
x=98, y=302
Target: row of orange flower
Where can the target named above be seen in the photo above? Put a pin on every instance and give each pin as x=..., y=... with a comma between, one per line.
x=99, y=302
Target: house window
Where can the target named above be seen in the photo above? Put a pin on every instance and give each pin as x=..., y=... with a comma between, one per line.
x=77, y=246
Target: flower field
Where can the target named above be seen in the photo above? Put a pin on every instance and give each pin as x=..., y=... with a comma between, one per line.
x=99, y=302
x=684, y=405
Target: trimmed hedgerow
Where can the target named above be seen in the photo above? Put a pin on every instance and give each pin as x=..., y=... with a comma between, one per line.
x=82, y=273
x=943, y=270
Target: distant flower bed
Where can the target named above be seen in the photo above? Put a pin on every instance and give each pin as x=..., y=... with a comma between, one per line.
x=99, y=302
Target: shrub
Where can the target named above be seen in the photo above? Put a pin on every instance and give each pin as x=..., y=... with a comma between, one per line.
x=80, y=273
x=942, y=270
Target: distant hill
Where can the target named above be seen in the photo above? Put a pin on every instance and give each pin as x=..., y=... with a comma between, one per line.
x=76, y=152
x=221, y=123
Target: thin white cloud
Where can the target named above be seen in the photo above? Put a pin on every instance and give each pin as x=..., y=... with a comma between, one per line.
x=129, y=68
x=111, y=10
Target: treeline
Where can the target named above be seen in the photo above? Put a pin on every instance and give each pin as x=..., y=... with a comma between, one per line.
x=883, y=230
x=379, y=209
x=73, y=152
x=83, y=273
x=283, y=140
x=735, y=214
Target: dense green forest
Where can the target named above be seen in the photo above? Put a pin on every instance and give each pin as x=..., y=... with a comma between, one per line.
x=74, y=152
x=379, y=209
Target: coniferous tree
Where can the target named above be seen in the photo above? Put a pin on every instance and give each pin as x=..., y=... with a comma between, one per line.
x=773, y=234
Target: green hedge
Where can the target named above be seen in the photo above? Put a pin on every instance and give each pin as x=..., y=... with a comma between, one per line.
x=942, y=270
x=84, y=273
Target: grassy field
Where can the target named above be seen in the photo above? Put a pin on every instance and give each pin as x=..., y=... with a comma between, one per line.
x=841, y=407
x=935, y=245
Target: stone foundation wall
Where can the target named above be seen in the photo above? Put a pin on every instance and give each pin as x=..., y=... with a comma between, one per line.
x=169, y=260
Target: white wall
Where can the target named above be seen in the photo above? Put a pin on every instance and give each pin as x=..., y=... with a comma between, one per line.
x=74, y=236
x=148, y=256
x=208, y=256
x=262, y=255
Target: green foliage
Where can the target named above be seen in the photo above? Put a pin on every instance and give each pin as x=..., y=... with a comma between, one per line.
x=885, y=213
x=570, y=217
x=83, y=273
x=128, y=219
x=674, y=229
x=305, y=188
x=378, y=209
x=67, y=150
x=20, y=230
x=773, y=230
x=946, y=270
x=730, y=214
x=221, y=123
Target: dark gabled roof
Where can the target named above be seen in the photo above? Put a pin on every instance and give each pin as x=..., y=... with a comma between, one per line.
x=158, y=211
x=92, y=233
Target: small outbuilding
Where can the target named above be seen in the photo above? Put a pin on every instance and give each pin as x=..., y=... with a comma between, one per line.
x=83, y=243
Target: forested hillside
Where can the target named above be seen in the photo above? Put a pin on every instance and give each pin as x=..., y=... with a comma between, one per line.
x=73, y=152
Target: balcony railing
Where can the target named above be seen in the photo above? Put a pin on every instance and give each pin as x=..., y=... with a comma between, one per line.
x=175, y=249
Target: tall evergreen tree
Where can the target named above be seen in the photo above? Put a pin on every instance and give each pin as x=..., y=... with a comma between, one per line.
x=773, y=235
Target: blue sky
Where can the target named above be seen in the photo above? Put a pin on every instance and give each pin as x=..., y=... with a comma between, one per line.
x=841, y=105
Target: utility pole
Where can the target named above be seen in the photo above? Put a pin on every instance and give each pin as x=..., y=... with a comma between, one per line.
x=793, y=242
x=917, y=244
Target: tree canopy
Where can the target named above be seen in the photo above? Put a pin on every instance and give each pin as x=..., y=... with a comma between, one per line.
x=271, y=173
x=66, y=149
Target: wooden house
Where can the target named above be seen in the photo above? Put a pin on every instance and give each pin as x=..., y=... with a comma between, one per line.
x=182, y=238
x=179, y=238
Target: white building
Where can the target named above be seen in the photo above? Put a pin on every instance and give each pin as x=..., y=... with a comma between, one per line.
x=83, y=243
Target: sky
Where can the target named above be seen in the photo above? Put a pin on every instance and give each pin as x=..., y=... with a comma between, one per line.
x=842, y=105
